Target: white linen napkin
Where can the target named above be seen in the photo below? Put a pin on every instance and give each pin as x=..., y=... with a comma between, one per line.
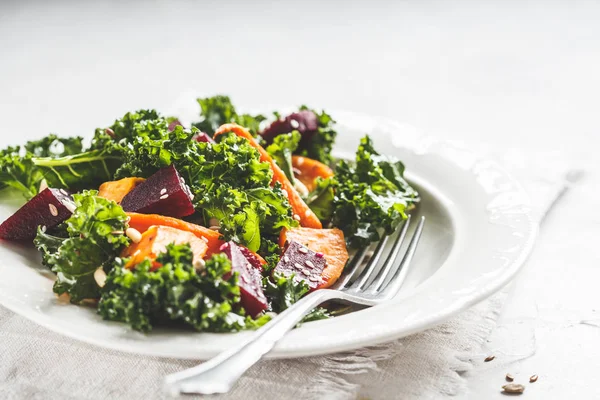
x=37, y=363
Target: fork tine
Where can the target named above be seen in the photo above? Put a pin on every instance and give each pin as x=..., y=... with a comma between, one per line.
x=371, y=267
x=390, y=260
x=354, y=266
x=395, y=282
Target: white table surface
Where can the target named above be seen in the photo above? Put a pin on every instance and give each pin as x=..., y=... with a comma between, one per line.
x=512, y=75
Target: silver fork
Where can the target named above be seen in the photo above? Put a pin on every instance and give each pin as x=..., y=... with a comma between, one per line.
x=376, y=283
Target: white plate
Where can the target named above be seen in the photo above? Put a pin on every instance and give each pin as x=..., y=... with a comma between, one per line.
x=478, y=234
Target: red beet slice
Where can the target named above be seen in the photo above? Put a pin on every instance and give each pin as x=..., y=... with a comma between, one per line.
x=174, y=124
x=304, y=263
x=250, y=280
x=49, y=208
x=251, y=257
x=203, y=137
x=164, y=193
x=304, y=121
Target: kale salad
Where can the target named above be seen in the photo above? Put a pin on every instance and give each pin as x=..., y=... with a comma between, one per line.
x=216, y=226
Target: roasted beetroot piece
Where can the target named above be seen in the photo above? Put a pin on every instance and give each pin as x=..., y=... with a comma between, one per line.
x=49, y=208
x=203, y=137
x=304, y=121
x=173, y=124
x=250, y=280
x=164, y=193
x=252, y=258
x=304, y=263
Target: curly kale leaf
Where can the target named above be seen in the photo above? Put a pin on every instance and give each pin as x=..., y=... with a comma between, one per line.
x=19, y=172
x=321, y=143
x=218, y=110
x=249, y=216
x=281, y=150
x=370, y=194
x=78, y=171
x=95, y=238
x=24, y=170
x=283, y=291
x=320, y=200
x=48, y=246
x=53, y=146
x=175, y=293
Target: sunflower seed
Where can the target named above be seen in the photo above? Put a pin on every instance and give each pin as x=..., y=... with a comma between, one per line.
x=513, y=388
x=510, y=378
x=489, y=358
x=134, y=235
x=296, y=217
x=199, y=264
x=163, y=191
x=164, y=196
x=286, y=259
x=303, y=250
x=100, y=277
x=309, y=263
x=533, y=378
x=53, y=209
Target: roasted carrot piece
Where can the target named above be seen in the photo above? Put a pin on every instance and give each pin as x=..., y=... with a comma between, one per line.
x=116, y=190
x=143, y=222
x=155, y=240
x=307, y=170
x=301, y=211
x=329, y=242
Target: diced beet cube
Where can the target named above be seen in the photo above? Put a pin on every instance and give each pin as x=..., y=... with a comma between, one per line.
x=250, y=280
x=203, y=137
x=164, y=193
x=49, y=208
x=173, y=124
x=304, y=263
x=305, y=122
x=251, y=257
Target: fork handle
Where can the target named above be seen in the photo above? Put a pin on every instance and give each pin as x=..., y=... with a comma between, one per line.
x=219, y=374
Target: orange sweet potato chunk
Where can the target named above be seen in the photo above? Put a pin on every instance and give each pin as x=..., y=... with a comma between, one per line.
x=143, y=222
x=155, y=240
x=330, y=242
x=307, y=170
x=116, y=190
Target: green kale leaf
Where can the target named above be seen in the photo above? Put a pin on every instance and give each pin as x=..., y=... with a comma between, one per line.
x=25, y=172
x=218, y=110
x=53, y=146
x=281, y=151
x=370, y=194
x=95, y=238
x=175, y=293
x=283, y=291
